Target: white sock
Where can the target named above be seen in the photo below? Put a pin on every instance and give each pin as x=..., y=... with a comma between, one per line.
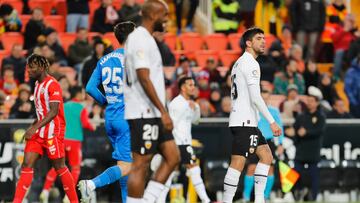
x=260, y=177
x=153, y=191
x=230, y=184
x=195, y=175
x=163, y=195
x=91, y=185
x=134, y=200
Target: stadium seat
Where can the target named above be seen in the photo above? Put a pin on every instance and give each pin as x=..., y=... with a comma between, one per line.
x=325, y=67
x=203, y=55
x=191, y=41
x=170, y=40
x=3, y=54
x=16, y=4
x=60, y=6
x=10, y=38
x=216, y=41
x=228, y=57
x=70, y=74
x=24, y=20
x=112, y=39
x=46, y=5
x=117, y=4
x=66, y=39
x=234, y=40
x=55, y=21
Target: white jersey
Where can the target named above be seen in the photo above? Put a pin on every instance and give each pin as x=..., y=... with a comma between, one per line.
x=245, y=72
x=183, y=116
x=141, y=51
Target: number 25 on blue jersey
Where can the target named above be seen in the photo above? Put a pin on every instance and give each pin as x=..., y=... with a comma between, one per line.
x=112, y=80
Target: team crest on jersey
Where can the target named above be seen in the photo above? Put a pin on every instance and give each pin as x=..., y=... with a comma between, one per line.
x=50, y=142
x=255, y=73
x=148, y=144
x=251, y=150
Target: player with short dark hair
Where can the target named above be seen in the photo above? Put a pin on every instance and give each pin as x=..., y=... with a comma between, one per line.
x=109, y=73
x=243, y=121
x=145, y=110
x=77, y=118
x=184, y=112
x=47, y=131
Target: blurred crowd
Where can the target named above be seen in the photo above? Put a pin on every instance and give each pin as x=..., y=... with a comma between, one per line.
x=305, y=33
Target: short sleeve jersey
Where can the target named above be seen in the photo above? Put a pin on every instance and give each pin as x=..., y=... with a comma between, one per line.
x=46, y=92
x=245, y=72
x=142, y=52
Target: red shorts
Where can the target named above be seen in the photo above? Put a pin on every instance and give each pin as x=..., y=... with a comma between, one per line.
x=73, y=152
x=54, y=147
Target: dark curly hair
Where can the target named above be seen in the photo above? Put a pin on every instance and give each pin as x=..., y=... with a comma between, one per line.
x=38, y=60
x=122, y=30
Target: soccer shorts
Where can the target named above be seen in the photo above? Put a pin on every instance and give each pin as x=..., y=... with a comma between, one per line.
x=246, y=140
x=253, y=159
x=119, y=135
x=54, y=147
x=187, y=154
x=147, y=134
x=73, y=152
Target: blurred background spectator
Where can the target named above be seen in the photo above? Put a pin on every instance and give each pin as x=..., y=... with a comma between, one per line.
x=18, y=61
x=292, y=105
x=77, y=15
x=105, y=17
x=339, y=110
x=9, y=19
x=130, y=11
x=79, y=50
x=190, y=15
x=352, y=87
x=23, y=107
x=167, y=56
x=289, y=76
x=34, y=28
x=226, y=16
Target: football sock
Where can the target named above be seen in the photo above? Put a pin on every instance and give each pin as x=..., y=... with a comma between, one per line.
x=248, y=187
x=153, y=191
x=195, y=175
x=230, y=184
x=23, y=184
x=50, y=178
x=260, y=176
x=269, y=185
x=109, y=176
x=123, y=186
x=68, y=184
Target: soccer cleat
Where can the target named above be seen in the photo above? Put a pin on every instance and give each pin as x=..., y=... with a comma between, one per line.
x=44, y=196
x=85, y=191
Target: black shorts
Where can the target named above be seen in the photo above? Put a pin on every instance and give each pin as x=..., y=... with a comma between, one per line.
x=253, y=159
x=187, y=154
x=246, y=140
x=147, y=134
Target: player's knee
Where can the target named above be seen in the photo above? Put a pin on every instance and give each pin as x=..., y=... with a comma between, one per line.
x=125, y=167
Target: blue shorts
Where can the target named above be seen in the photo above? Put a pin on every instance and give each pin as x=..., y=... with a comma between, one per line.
x=118, y=132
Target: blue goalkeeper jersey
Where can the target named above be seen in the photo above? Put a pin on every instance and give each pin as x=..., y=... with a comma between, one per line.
x=109, y=72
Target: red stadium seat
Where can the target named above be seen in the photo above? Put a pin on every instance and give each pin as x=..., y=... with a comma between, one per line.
x=16, y=4
x=170, y=40
x=179, y=53
x=191, y=41
x=55, y=21
x=112, y=39
x=3, y=54
x=60, y=6
x=228, y=57
x=45, y=5
x=216, y=41
x=24, y=20
x=10, y=38
x=117, y=4
x=234, y=40
x=66, y=39
x=203, y=55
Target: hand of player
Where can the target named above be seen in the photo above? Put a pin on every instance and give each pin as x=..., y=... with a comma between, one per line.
x=29, y=133
x=302, y=132
x=167, y=122
x=276, y=130
x=192, y=104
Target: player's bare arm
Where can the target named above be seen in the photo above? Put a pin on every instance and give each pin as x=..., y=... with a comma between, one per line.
x=54, y=109
x=143, y=75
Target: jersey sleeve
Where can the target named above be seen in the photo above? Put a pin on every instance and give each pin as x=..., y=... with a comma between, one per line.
x=140, y=57
x=92, y=86
x=196, y=114
x=252, y=74
x=55, y=94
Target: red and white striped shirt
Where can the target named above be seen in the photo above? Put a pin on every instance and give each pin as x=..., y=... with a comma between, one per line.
x=49, y=91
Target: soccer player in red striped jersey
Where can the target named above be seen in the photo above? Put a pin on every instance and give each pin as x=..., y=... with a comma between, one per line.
x=47, y=131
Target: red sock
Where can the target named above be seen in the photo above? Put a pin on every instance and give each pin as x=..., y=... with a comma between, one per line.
x=75, y=172
x=68, y=184
x=23, y=184
x=50, y=178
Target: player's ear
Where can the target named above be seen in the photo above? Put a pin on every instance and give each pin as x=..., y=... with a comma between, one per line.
x=248, y=43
